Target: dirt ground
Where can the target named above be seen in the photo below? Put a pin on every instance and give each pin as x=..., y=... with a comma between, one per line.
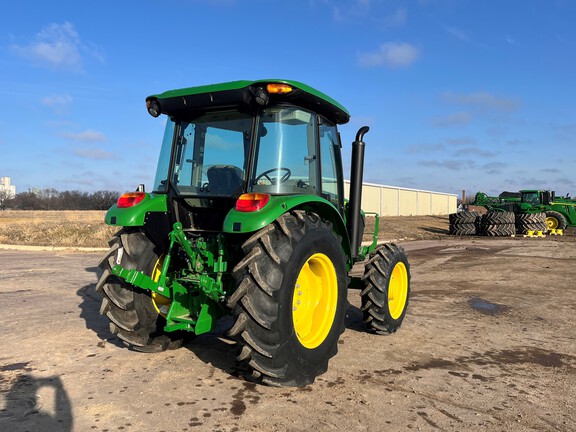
x=488, y=344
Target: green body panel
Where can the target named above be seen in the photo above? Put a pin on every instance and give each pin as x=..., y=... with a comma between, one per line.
x=481, y=199
x=211, y=88
x=136, y=215
x=237, y=222
x=565, y=208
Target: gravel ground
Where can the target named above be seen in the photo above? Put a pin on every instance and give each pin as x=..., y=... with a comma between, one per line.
x=488, y=344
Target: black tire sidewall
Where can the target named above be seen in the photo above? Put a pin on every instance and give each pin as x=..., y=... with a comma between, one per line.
x=315, y=241
x=397, y=257
x=143, y=258
x=559, y=218
x=394, y=256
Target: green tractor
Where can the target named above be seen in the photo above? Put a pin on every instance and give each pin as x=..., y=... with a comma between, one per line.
x=560, y=211
x=247, y=218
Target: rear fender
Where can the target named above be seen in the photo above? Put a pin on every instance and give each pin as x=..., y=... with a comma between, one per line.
x=237, y=222
x=151, y=214
x=136, y=215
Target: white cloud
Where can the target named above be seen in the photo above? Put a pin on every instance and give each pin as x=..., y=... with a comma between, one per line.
x=458, y=34
x=390, y=54
x=86, y=136
x=57, y=46
x=449, y=164
x=96, y=154
x=56, y=100
x=57, y=103
x=396, y=19
x=377, y=14
x=494, y=167
x=482, y=100
x=456, y=119
x=474, y=151
x=425, y=148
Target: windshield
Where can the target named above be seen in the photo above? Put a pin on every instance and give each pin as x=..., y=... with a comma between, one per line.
x=285, y=152
x=531, y=197
x=210, y=154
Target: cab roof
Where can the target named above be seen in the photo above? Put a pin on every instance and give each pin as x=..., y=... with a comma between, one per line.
x=242, y=94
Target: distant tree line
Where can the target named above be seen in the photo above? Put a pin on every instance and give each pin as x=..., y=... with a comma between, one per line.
x=51, y=199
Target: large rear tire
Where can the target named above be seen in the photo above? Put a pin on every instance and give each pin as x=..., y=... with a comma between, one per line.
x=555, y=220
x=290, y=300
x=386, y=289
x=135, y=316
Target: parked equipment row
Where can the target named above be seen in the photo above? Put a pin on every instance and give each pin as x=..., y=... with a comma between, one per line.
x=496, y=223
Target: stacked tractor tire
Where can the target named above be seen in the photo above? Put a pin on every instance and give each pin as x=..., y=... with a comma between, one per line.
x=463, y=223
x=531, y=222
x=496, y=223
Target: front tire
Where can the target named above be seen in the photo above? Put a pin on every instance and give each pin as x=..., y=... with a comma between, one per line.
x=134, y=316
x=386, y=289
x=290, y=300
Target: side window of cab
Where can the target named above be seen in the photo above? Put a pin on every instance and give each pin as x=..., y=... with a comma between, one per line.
x=330, y=162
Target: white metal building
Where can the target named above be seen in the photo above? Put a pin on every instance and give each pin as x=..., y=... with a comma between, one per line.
x=398, y=201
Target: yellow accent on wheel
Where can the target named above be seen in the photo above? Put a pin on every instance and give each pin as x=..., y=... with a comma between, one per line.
x=551, y=222
x=160, y=303
x=315, y=300
x=398, y=290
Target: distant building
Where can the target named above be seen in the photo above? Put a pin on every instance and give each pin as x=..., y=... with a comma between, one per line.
x=398, y=201
x=6, y=186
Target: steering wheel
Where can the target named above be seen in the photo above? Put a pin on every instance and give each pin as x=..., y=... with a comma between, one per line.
x=282, y=179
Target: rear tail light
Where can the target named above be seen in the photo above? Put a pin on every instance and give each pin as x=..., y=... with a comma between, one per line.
x=251, y=202
x=130, y=199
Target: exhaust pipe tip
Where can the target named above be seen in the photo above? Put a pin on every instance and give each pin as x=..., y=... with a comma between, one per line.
x=361, y=132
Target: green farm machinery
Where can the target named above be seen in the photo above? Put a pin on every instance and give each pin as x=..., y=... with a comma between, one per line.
x=247, y=218
x=560, y=212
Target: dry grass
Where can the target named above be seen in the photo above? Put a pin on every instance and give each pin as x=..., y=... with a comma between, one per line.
x=408, y=228
x=68, y=228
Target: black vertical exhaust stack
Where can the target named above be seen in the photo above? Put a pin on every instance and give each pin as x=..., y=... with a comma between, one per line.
x=355, y=226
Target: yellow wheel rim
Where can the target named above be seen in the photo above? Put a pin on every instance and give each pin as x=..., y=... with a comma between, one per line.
x=551, y=222
x=398, y=290
x=161, y=303
x=315, y=300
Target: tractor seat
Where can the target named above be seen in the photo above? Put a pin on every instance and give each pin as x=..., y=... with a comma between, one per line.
x=225, y=179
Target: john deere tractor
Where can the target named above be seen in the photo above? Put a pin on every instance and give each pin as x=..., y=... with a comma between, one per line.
x=247, y=217
x=560, y=212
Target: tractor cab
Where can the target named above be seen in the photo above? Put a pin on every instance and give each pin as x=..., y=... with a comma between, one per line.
x=537, y=197
x=245, y=144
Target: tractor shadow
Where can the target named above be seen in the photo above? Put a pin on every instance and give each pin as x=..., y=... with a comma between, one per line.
x=435, y=230
x=354, y=320
x=217, y=348
x=90, y=311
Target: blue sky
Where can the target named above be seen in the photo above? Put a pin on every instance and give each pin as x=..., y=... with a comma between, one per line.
x=459, y=94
